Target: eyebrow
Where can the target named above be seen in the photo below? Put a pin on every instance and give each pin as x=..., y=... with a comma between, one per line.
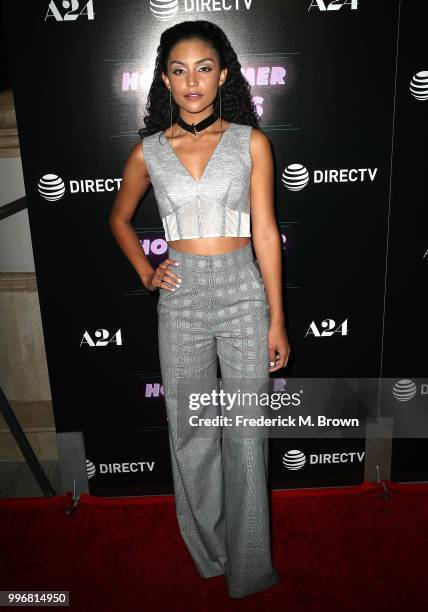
x=198, y=62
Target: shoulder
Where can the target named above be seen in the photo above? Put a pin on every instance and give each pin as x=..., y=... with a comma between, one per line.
x=143, y=149
x=260, y=144
x=258, y=138
x=151, y=139
x=140, y=154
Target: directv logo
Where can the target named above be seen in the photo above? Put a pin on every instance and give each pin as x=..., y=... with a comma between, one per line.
x=295, y=177
x=164, y=9
x=295, y=459
x=127, y=467
x=419, y=85
x=90, y=469
x=52, y=188
x=404, y=390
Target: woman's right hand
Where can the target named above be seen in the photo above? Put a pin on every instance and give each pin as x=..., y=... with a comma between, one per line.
x=163, y=277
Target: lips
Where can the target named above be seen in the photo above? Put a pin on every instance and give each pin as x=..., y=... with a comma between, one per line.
x=193, y=96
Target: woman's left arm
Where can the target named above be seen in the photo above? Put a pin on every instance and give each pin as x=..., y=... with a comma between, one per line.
x=267, y=245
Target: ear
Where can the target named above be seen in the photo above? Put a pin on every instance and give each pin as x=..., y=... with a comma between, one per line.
x=165, y=80
x=223, y=76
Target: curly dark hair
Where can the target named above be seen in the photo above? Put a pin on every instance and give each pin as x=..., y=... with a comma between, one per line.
x=236, y=103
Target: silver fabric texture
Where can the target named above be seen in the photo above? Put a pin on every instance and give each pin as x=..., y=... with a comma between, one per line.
x=220, y=482
x=218, y=204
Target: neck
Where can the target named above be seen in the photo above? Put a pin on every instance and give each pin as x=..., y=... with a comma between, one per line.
x=195, y=117
x=194, y=128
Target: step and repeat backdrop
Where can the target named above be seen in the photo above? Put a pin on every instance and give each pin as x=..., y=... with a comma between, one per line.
x=341, y=89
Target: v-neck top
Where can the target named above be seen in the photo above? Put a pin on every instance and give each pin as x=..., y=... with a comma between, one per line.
x=218, y=204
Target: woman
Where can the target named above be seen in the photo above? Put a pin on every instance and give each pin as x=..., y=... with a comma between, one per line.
x=206, y=159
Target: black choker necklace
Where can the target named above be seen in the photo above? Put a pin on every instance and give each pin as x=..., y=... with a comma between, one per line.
x=194, y=128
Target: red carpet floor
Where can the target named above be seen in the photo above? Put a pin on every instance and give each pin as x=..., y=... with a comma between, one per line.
x=341, y=549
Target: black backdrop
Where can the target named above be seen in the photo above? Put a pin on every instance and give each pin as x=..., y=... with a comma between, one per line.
x=332, y=84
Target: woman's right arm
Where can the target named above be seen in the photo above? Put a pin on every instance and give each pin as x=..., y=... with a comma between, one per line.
x=135, y=182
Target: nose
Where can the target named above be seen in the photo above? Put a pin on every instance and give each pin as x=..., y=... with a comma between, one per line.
x=192, y=79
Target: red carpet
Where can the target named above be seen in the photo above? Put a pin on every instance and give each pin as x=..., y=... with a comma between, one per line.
x=341, y=549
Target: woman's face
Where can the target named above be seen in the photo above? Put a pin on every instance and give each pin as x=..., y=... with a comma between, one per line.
x=193, y=67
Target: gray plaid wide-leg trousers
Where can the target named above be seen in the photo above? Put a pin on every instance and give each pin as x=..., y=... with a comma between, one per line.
x=220, y=479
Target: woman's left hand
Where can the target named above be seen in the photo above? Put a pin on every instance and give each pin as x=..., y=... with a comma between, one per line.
x=279, y=347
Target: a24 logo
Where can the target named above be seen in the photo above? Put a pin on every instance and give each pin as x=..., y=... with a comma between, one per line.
x=333, y=5
x=73, y=10
x=328, y=328
x=102, y=337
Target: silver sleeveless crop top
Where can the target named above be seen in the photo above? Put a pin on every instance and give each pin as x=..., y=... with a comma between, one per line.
x=216, y=205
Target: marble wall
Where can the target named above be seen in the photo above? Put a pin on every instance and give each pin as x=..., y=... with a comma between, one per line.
x=23, y=368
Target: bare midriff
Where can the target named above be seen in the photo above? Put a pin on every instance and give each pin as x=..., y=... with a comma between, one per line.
x=209, y=246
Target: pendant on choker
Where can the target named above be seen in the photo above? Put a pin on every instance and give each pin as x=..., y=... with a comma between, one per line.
x=194, y=128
